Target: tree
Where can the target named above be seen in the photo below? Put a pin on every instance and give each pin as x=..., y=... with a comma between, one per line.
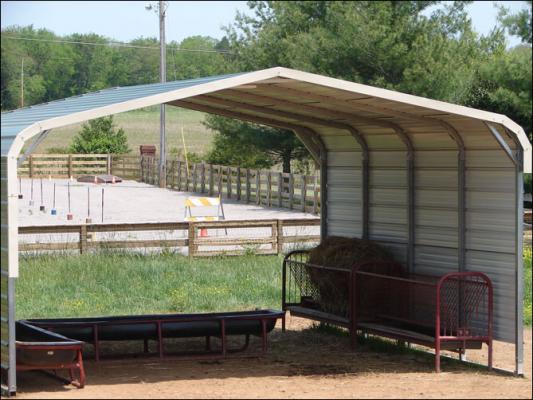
x=518, y=24
x=504, y=86
x=252, y=145
x=388, y=44
x=99, y=136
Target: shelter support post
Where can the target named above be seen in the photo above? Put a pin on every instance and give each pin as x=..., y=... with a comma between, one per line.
x=365, y=161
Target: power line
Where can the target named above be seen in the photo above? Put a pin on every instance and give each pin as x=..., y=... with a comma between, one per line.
x=112, y=44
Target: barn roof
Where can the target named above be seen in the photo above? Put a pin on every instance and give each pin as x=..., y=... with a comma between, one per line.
x=276, y=96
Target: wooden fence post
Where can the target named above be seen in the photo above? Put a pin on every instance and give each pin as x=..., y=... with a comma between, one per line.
x=258, y=186
x=228, y=182
x=211, y=181
x=269, y=189
x=179, y=176
x=83, y=239
x=194, y=180
x=315, y=195
x=219, y=181
x=291, y=191
x=69, y=165
x=108, y=164
x=239, y=183
x=30, y=162
x=304, y=191
x=280, y=187
x=202, y=180
x=280, y=236
x=248, y=185
x=193, y=247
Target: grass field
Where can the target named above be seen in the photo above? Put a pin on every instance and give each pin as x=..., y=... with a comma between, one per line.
x=117, y=283
x=142, y=127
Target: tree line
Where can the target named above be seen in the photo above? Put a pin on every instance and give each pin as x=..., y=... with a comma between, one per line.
x=417, y=47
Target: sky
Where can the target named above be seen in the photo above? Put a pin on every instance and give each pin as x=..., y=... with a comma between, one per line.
x=184, y=18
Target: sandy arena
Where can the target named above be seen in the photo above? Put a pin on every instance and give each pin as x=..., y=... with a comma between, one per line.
x=301, y=363
x=134, y=202
x=126, y=202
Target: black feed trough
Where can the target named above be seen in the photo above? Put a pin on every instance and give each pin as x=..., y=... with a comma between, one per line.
x=159, y=326
x=40, y=349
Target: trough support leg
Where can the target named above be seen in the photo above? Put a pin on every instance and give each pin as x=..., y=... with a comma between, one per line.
x=145, y=345
x=437, y=356
x=160, y=339
x=223, y=336
x=246, y=342
x=490, y=354
x=80, y=382
x=96, y=343
x=263, y=335
x=208, y=343
x=82, y=369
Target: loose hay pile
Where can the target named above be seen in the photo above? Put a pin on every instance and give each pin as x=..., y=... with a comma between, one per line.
x=339, y=252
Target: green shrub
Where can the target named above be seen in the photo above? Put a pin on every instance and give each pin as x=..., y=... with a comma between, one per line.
x=99, y=136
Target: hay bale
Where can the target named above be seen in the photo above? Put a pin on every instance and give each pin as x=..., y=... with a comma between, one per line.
x=332, y=287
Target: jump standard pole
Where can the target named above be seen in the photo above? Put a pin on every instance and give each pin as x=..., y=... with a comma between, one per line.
x=41, y=207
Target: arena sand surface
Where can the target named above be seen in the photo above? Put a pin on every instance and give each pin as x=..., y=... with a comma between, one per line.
x=301, y=363
x=126, y=202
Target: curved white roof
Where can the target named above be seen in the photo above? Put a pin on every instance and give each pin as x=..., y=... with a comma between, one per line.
x=305, y=89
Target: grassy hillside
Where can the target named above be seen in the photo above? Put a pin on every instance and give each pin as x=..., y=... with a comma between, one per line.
x=142, y=127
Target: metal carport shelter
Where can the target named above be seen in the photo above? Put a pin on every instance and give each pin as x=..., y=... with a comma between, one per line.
x=439, y=184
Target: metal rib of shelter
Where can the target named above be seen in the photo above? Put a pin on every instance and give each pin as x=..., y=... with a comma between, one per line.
x=323, y=180
x=314, y=120
x=362, y=143
x=435, y=121
x=461, y=190
x=311, y=146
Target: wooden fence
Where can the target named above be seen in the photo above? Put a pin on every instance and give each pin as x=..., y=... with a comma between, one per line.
x=262, y=187
x=239, y=237
x=75, y=165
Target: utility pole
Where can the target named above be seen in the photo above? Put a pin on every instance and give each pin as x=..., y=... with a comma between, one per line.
x=161, y=8
x=22, y=83
x=163, y=78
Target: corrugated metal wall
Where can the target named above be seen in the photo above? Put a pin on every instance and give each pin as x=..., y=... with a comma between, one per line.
x=490, y=202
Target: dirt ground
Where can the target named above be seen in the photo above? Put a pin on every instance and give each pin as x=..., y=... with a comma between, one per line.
x=301, y=363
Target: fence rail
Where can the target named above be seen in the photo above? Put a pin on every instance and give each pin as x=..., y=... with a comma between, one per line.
x=230, y=237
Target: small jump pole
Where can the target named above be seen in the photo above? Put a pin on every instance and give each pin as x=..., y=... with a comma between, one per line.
x=102, y=205
x=88, y=219
x=54, y=211
x=69, y=215
x=20, y=188
x=41, y=207
x=31, y=193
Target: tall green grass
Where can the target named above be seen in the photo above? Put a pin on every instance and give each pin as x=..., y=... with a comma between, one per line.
x=115, y=284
